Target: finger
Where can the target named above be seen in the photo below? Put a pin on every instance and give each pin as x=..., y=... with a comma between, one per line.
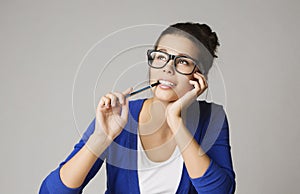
x=195, y=84
x=127, y=91
x=204, y=81
x=103, y=102
x=120, y=97
x=113, y=99
x=201, y=80
x=125, y=110
x=106, y=101
x=125, y=106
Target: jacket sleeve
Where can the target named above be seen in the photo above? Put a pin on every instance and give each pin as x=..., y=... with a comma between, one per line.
x=53, y=184
x=219, y=178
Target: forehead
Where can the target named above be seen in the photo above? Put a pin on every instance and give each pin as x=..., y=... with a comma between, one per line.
x=175, y=44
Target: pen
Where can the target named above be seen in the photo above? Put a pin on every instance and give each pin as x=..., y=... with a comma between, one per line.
x=142, y=89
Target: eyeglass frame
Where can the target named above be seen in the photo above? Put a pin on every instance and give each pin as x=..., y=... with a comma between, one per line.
x=172, y=57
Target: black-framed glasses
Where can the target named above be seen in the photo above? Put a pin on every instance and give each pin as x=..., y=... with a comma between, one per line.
x=182, y=64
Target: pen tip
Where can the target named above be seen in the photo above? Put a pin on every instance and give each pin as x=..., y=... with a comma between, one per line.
x=155, y=84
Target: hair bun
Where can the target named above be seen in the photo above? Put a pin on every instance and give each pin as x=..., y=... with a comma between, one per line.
x=213, y=42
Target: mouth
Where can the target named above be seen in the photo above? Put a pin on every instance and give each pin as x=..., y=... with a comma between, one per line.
x=167, y=83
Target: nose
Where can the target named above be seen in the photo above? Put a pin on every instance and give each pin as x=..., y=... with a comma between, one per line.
x=169, y=67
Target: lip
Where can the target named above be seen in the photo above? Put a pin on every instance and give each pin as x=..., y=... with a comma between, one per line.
x=166, y=83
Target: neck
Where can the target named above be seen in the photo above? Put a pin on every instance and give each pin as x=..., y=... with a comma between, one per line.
x=155, y=101
x=152, y=119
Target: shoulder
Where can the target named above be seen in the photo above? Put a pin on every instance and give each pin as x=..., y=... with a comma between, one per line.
x=136, y=105
x=212, y=109
x=205, y=109
x=209, y=105
x=136, y=102
x=212, y=124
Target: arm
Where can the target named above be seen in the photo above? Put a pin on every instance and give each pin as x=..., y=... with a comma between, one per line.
x=83, y=163
x=53, y=183
x=196, y=161
x=74, y=172
x=209, y=165
x=210, y=171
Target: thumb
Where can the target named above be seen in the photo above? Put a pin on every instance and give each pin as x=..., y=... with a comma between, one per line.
x=127, y=91
x=125, y=106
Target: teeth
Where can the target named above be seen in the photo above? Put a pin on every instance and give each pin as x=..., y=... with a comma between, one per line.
x=164, y=82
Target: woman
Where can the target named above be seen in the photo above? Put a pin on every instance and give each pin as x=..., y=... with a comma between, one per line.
x=169, y=143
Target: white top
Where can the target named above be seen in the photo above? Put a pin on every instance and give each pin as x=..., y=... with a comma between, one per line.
x=159, y=177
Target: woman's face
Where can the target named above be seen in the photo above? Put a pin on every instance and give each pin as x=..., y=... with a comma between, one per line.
x=174, y=84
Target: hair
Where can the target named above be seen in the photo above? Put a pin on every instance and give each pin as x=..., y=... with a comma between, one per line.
x=197, y=33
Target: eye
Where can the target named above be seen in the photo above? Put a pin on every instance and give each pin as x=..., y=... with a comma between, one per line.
x=183, y=62
x=161, y=57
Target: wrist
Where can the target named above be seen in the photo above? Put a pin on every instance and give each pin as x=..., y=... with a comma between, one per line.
x=175, y=123
x=97, y=143
x=183, y=137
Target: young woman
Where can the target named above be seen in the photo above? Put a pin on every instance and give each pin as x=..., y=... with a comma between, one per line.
x=169, y=143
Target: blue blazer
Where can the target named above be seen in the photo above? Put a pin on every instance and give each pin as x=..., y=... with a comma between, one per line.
x=209, y=126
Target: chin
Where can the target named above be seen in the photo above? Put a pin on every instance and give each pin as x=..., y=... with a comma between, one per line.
x=166, y=97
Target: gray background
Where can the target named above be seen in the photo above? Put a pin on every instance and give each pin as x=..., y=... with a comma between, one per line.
x=43, y=42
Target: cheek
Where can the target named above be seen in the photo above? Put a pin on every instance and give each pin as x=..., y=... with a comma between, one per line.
x=185, y=88
x=153, y=74
x=185, y=85
x=150, y=73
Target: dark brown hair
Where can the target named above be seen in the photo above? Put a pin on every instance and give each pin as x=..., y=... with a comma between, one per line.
x=197, y=33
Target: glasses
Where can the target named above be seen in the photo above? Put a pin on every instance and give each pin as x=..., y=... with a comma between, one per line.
x=183, y=64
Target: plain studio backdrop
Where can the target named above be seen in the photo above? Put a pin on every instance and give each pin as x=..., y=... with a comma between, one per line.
x=44, y=42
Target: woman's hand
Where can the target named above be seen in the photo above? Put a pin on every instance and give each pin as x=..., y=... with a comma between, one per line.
x=112, y=114
x=174, y=109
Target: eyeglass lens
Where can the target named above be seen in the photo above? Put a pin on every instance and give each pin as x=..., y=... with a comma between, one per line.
x=183, y=64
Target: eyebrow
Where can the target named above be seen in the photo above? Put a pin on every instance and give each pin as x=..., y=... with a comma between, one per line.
x=179, y=54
